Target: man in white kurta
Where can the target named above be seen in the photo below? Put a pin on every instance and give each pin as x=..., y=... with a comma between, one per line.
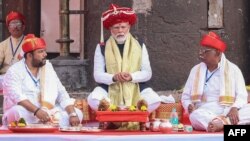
x=205, y=89
x=121, y=70
x=47, y=103
x=11, y=48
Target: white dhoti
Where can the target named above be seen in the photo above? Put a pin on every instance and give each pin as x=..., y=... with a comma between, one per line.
x=150, y=96
x=200, y=117
x=44, y=91
x=17, y=112
x=214, y=93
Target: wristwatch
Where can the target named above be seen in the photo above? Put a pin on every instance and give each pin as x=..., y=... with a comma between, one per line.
x=73, y=114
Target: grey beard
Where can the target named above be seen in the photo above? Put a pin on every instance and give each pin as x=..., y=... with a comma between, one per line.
x=121, y=40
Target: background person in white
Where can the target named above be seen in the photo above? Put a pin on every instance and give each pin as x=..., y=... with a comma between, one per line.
x=215, y=92
x=11, y=48
x=33, y=91
x=119, y=69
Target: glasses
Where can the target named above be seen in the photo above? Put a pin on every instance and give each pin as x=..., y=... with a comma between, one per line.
x=205, y=50
x=17, y=24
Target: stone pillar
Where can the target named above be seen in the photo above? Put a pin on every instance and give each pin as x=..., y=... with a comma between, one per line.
x=215, y=14
x=64, y=29
x=71, y=71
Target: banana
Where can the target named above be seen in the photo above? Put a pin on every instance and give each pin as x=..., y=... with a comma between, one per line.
x=248, y=87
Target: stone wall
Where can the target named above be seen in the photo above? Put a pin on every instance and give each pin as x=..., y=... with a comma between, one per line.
x=171, y=30
x=72, y=73
x=237, y=34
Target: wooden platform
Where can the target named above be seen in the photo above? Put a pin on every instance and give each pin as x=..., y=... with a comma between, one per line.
x=123, y=116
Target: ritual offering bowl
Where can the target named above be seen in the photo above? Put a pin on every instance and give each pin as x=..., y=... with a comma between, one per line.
x=154, y=126
x=165, y=126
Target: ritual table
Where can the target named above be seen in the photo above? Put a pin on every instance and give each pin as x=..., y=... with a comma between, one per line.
x=123, y=116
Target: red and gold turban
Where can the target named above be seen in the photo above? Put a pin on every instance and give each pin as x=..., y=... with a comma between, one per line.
x=117, y=14
x=15, y=16
x=213, y=40
x=114, y=15
x=33, y=43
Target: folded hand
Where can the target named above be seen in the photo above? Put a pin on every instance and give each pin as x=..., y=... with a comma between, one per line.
x=43, y=116
x=74, y=121
x=191, y=108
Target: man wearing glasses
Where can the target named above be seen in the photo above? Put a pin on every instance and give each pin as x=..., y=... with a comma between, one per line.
x=10, y=49
x=215, y=92
x=121, y=65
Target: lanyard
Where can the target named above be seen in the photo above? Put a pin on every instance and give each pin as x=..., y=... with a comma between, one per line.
x=208, y=78
x=12, y=48
x=33, y=79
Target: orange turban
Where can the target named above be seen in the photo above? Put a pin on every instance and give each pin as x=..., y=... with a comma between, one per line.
x=33, y=43
x=15, y=16
x=214, y=41
x=117, y=14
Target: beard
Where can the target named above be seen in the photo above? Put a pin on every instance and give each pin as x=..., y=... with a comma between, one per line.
x=201, y=58
x=38, y=63
x=120, y=38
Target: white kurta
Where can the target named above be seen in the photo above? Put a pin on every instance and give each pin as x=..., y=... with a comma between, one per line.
x=19, y=86
x=1, y=82
x=207, y=111
x=105, y=78
x=6, y=54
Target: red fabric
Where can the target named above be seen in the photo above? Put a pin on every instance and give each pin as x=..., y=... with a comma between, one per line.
x=136, y=116
x=116, y=14
x=33, y=43
x=185, y=117
x=214, y=41
x=112, y=132
x=14, y=16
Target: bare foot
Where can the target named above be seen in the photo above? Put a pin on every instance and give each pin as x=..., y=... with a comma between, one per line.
x=104, y=105
x=114, y=125
x=215, y=126
x=141, y=103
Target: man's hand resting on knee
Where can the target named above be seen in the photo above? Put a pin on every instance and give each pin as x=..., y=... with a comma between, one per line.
x=191, y=108
x=233, y=115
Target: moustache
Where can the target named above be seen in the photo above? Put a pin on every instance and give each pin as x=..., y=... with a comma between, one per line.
x=16, y=30
x=120, y=35
x=201, y=58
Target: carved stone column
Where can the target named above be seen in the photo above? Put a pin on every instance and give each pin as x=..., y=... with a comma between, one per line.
x=64, y=29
